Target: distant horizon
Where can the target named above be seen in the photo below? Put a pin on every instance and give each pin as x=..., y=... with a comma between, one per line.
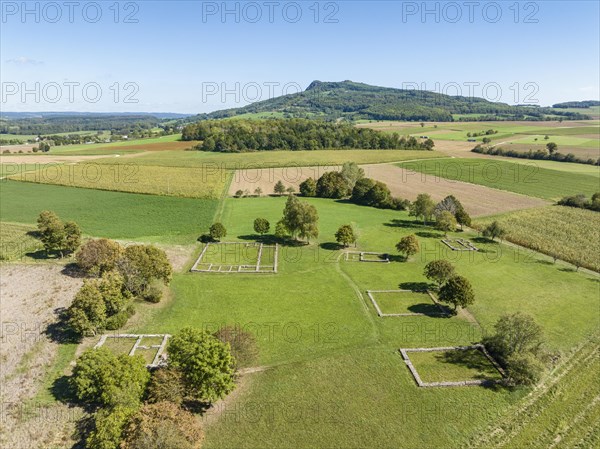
x=132, y=112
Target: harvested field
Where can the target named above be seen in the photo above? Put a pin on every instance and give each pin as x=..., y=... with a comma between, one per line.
x=141, y=147
x=25, y=148
x=52, y=158
x=31, y=295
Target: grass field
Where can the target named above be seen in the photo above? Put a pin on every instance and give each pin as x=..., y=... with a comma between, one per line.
x=328, y=361
x=16, y=241
x=323, y=344
x=405, y=302
x=570, y=233
x=453, y=366
x=528, y=179
x=193, y=182
x=110, y=214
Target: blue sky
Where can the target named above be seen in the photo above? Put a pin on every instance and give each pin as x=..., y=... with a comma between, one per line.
x=183, y=56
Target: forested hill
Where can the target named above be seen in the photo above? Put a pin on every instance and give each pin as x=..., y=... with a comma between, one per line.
x=354, y=101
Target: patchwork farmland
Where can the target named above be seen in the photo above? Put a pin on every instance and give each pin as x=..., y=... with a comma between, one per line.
x=327, y=325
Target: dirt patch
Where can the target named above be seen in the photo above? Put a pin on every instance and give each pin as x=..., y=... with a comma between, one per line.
x=179, y=255
x=30, y=297
x=266, y=178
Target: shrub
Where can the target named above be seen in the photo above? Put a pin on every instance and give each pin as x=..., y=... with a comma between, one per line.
x=493, y=230
x=142, y=264
x=217, y=231
x=242, y=345
x=98, y=256
x=261, y=226
x=332, y=185
x=408, y=245
x=308, y=187
x=154, y=292
x=102, y=378
x=108, y=427
x=523, y=369
x=163, y=425
x=206, y=363
x=166, y=385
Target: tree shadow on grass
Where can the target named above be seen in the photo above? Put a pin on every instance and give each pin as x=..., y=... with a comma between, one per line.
x=397, y=258
x=429, y=234
x=34, y=234
x=420, y=287
x=399, y=223
x=332, y=246
x=429, y=309
x=473, y=359
x=194, y=406
x=266, y=239
x=41, y=255
x=484, y=240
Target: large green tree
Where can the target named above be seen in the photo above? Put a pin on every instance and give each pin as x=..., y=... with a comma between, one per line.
x=102, y=378
x=445, y=222
x=98, y=256
x=457, y=292
x=408, y=245
x=345, y=235
x=332, y=185
x=261, y=226
x=423, y=207
x=142, y=264
x=308, y=187
x=205, y=362
x=300, y=218
x=439, y=271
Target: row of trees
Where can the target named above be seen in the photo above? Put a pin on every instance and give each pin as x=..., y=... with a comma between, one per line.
x=120, y=275
x=292, y=134
x=582, y=202
x=551, y=154
x=448, y=213
x=136, y=409
x=351, y=183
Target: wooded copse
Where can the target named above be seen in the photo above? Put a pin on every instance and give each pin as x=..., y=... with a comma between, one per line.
x=296, y=134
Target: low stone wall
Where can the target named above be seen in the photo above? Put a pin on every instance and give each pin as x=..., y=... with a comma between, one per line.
x=404, y=352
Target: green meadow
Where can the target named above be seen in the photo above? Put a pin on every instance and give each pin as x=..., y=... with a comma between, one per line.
x=110, y=214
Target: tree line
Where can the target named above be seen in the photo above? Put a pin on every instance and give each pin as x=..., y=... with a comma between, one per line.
x=294, y=134
x=581, y=201
x=549, y=154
